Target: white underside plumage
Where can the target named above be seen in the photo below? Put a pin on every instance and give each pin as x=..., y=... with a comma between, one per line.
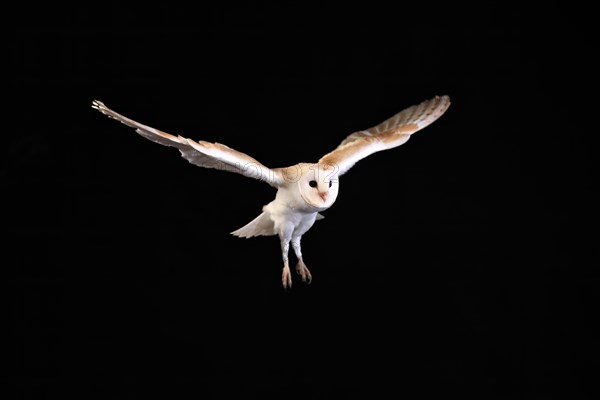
x=262, y=225
x=287, y=215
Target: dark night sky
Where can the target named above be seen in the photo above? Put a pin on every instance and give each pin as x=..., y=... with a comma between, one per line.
x=458, y=263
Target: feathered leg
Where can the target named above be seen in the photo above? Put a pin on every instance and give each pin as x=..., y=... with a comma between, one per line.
x=301, y=267
x=286, y=276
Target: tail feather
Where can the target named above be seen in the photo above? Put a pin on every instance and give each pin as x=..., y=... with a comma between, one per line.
x=259, y=226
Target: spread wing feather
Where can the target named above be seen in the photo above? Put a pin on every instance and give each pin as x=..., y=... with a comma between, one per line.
x=201, y=153
x=391, y=133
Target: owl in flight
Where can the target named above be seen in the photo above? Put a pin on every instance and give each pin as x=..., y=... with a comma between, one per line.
x=305, y=189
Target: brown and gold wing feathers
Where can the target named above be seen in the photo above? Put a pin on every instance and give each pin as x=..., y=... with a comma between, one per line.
x=201, y=153
x=389, y=134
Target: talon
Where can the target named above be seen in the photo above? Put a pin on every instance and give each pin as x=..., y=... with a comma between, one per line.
x=304, y=272
x=286, y=278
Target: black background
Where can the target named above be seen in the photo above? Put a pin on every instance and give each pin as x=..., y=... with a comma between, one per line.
x=458, y=263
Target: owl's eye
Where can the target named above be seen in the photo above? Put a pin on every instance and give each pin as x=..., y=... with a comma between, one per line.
x=313, y=183
x=330, y=183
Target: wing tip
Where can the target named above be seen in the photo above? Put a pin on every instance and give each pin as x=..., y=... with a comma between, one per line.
x=100, y=106
x=444, y=101
x=437, y=107
x=97, y=104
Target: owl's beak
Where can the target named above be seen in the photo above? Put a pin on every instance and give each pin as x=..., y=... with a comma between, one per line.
x=323, y=195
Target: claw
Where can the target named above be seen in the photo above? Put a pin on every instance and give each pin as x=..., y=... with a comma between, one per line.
x=286, y=277
x=303, y=272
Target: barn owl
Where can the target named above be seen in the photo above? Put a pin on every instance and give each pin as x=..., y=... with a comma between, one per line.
x=304, y=190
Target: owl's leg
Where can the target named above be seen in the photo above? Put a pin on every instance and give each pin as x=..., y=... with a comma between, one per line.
x=301, y=267
x=286, y=276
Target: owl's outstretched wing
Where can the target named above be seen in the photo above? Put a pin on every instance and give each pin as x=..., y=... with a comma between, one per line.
x=201, y=153
x=389, y=134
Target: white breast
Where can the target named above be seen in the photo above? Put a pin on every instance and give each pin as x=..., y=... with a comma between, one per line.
x=289, y=210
